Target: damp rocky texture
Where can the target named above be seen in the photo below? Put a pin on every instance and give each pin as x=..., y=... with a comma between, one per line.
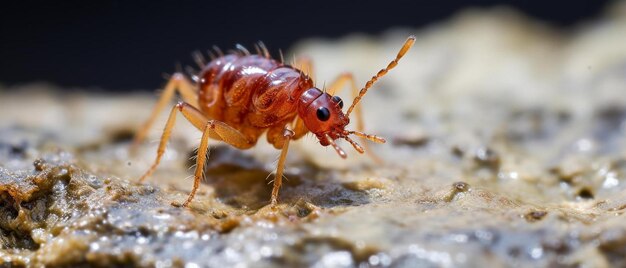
x=506, y=147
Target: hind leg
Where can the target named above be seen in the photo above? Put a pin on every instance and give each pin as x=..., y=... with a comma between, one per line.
x=177, y=83
x=211, y=129
x=193, y=115
x=224, y=132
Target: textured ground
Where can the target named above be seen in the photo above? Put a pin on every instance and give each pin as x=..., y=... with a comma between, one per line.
x=507, y=147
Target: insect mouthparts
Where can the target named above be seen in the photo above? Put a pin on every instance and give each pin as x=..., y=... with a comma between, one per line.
x=370, y=137
x=338, y=149
x=356, y=146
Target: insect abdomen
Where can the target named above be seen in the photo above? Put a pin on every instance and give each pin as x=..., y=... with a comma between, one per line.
x=251, y=90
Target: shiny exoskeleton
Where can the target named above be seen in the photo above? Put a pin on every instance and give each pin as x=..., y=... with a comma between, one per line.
x=239, y=96
x=252, y=94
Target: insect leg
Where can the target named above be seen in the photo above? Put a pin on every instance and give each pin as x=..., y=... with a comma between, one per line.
x=171, y=119
x=178, y=83
x=288, y=134
x=335, y=87
x=222, y=131
x=193, y=115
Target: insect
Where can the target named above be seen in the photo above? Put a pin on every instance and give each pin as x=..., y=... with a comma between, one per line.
x=237, y=97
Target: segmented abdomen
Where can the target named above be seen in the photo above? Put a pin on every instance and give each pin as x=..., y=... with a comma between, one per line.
x=251, y=91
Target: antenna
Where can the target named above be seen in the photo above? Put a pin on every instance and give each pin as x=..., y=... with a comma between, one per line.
x=407, y=45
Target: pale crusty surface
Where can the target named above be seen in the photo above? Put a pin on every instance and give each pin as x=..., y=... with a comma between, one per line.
x=506, y=147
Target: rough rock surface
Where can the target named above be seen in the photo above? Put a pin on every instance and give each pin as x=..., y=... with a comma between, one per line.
x=506, y=148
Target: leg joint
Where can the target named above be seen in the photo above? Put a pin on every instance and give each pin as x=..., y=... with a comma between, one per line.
x=288, y=133
x=180, y=105
x=210, y=124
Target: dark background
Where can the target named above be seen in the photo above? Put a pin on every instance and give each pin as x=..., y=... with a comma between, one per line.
x=128, y=45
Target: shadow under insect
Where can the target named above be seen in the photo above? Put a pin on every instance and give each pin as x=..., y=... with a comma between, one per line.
x=241, y=181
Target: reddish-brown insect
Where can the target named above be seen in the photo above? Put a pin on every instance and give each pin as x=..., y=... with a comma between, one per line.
x=239, y=96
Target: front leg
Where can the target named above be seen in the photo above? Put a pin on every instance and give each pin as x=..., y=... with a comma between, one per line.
x=278, y=180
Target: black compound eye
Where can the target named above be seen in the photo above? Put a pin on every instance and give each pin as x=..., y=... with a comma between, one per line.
x=323, y=114
x=338, y=101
